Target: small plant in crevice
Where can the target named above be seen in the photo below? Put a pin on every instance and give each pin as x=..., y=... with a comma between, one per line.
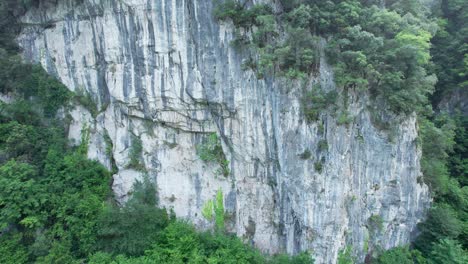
x=85, y=134
x=318, y=166
x=375, y=223
x=315, y=101
x=135, y=154
x=148, y=125
x=256, y=29
x=212, y=151
x=207, y=210
x=85, y=99
x=170, y=145
x=109, y=151
x=250, y=228
x=320, y=128
x=345, y=256
x=323, y=145
x=306, y=154
x=344, y=118
x=365, y=246
x=214, y=210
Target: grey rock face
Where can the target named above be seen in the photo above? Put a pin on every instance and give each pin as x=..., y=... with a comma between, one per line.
x=165, y=72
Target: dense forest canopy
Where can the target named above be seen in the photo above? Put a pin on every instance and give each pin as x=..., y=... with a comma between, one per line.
x=57, y=207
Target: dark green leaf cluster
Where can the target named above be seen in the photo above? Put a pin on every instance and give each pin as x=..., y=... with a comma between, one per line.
x=443, y=235
x=179, y=242
x=316, y=101
x=401, y=255
x=212, y=151
x=135, y=154
x=31, y=83
x=134, y=227
x=139, y=232
x=449, y=48
x=383, y=50
x=239, y=15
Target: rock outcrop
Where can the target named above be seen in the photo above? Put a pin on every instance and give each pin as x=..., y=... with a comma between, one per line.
x=164, y=72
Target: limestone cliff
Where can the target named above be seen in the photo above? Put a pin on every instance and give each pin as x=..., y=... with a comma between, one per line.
x=164, y=71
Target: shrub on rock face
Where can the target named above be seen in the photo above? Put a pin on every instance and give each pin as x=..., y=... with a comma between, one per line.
x=306, y=154
x=135, y=154
x=401, y=255
x=210, y=150
x=316, y=101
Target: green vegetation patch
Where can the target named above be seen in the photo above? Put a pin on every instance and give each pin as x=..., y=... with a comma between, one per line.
x=210, y=150
x=135, y=154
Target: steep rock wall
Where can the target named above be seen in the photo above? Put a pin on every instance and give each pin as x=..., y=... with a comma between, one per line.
x=164, y=71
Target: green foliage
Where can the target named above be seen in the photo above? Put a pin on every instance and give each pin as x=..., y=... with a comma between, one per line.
x=32, y=83
x=12, y=250
x=302, y=258
x=240, y=16
x=323, y=145
x=345, y=256
x=50, y=194
x=401, y=255
x=449, y=50
x=134, y=227
x=61, y=200
x=208, y=209
x=179, y=242
x=85, y=134
x=215, y=209
x=444, y=142
x=18, y=192
x=315, y=101
x=60, y=252
x=457, y=161
x=448, y=251
x=365, y=247
x=375, y=223
x=53, y=205
x=109, y=151
x=294, y=57
x=344, y=118
x=441, y=223
x=437, y=142
x=384, y=50
x=85, y=99
x=306, y=154
x=318, y=166
x=212, y=151
x=135, y=154
x=219, y=210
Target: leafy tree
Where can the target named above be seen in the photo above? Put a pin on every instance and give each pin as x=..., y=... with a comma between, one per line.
x=437, y=143
x=448, y=251
x=18, y=193
x=12, y=250
x=401, y=255
x=441, y=223
x=315, y=101
x=345, y=256
x=135, y=154
x=134, y=227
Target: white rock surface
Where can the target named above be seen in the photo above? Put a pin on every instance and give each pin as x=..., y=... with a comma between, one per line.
x=164, y=71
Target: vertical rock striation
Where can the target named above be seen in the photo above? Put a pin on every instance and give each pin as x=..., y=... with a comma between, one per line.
x=164, y=71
